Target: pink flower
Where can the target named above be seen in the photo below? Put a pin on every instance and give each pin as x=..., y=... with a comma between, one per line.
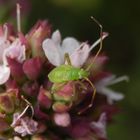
x=24, y=125
x=15, y=51
x=55, y=49
x=4, y=70
x=102, y=88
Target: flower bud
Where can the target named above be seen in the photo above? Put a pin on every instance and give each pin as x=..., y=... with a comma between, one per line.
x=39, y=137
x=61, y=107
x=6, y=103
x=32, y=67
x=16, y=69
x=39, y=114
x=62, y=119
x=31, y=88
x=3, y=125
x=63, y=92
x=35, y=37
x=44, y=98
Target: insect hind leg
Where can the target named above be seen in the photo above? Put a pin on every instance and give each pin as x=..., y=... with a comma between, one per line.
x=92, y=99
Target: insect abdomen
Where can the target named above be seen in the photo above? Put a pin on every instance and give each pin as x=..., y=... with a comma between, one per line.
x=64, y=73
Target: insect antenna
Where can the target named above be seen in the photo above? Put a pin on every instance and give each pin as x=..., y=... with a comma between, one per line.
x=92, y=99
x=102, y=36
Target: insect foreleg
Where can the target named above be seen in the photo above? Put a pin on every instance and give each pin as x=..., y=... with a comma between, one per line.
x=92, y=99
x=67, y=59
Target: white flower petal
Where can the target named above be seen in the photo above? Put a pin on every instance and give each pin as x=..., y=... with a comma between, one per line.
x=79, y=56
x=106, y=81
x=69, y=45
x=15, y=51
x=4, y=74
x=100, y=126
x=111, y=95
x=102, y=88
x=3, y=45
x=119, y=79
x=53, y=52
x=56, y=37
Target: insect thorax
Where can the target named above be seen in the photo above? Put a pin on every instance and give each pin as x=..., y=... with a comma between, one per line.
x=82, y=73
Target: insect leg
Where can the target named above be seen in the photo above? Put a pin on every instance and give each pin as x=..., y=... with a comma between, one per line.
x=81, y=84
x=67, y=59
x=92, y=99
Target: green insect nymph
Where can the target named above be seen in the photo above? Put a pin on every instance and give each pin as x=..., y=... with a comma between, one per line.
x=65, y=73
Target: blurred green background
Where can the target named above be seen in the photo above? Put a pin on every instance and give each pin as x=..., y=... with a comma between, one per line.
x=121, y=19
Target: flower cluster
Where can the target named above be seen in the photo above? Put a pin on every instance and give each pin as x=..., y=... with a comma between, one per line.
x=34, y=107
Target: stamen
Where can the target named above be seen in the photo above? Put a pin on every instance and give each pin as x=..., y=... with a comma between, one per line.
x=23, y=112
x=18, y=18
x=5, y=32
x=30, y=105
x=98, y=41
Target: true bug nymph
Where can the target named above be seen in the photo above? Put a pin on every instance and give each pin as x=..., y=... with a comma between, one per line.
x=66, y=72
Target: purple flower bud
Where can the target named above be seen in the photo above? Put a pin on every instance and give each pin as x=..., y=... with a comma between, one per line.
x=39, y=137
x=63, y=92
x=11, y=84
x=61, y=107
x=39, y=114
x=16, y=69
x=38, y=33
x=3, y=125
x=32, y=67
x=41, y=127
x=44, y=98
x=31, y=88
x=6, y=103
x=79, y=128
x=62, y=119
